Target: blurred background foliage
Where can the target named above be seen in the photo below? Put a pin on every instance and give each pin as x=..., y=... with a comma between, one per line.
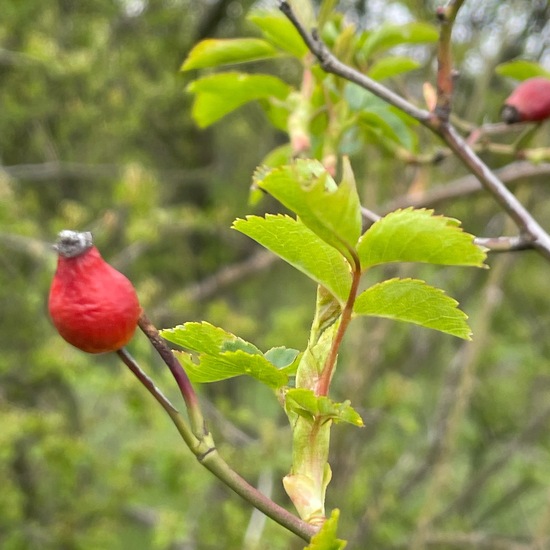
x=96, y=134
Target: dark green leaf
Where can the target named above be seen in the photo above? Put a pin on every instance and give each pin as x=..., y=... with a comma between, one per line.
x=281, y=357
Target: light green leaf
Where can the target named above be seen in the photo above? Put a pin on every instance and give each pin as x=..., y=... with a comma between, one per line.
x=326, y=538
x=389, y=67
x=281, y=357
x=306, y=404
x=217, y=52
x=218, y=94
x=414, y=301
x=206, y=338
x=300, y=247
x=330, y=211
x=389, y=36
x=418, y=236
x=280, y=32
x=521, y=69
x=212, y=368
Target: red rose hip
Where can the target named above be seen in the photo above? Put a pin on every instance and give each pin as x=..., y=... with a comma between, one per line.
x=93, y=306
x=529, y=102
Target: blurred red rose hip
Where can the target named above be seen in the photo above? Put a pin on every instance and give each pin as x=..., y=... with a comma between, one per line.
x=93, y=306
x=529, y=102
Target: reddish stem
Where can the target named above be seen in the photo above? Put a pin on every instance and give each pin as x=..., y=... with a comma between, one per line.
x=326, y=375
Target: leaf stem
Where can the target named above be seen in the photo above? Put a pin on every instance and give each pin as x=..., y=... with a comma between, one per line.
x=328, y=369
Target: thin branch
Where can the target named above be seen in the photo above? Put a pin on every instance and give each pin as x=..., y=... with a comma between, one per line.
x=504, y=244
x=510, y=204
x=189, y=438
x=180, y=376
x=345, y=318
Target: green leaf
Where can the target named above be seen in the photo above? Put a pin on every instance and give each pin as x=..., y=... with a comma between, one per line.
x=218, y=94
x=212, y=368
x=418, y=236
x=389, y=36
x=521, y=69
x=281, y=357
x=217, y=52
x=389, y=67
x=326, y=539
x=414, y=301
x=332, y=212
x=280, y=32
x=378, y=126
x=300, y=247
x=223, y=355
x=206, y=338
x=379, y=118
x=305, y=403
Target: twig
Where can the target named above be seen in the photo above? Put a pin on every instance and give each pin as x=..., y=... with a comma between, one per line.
x=180, y=376
x=445, y=74
x=504, y=244
x=189, y=438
